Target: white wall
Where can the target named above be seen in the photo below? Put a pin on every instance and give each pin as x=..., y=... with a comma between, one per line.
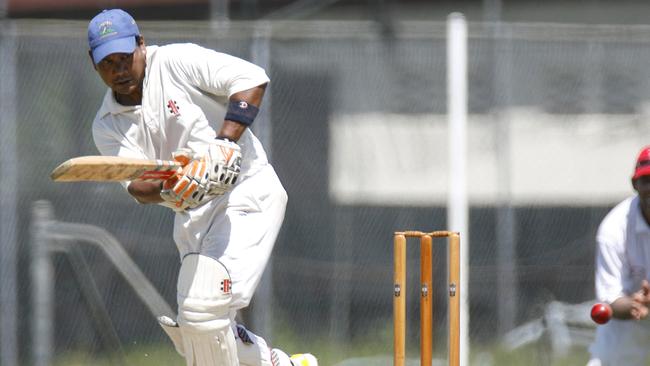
x=384, y=159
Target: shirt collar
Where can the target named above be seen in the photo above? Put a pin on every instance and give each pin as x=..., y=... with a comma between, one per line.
x=111, y=106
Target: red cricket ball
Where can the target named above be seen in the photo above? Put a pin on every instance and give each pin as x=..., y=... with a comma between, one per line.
x=601, y=313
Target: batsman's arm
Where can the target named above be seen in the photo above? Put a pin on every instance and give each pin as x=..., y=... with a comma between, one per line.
x=145, y=192
x=232, y=129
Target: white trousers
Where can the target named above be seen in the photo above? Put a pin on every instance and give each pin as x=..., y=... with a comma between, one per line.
x=239, y=231
x=621, y=342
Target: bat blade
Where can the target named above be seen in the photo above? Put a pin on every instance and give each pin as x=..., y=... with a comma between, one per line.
x=113, y=169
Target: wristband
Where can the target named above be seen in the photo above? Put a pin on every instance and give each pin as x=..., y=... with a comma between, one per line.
x=242, y=112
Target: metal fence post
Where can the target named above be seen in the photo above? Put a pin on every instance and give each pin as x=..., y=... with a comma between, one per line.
x=8, y=197
x=42, y=284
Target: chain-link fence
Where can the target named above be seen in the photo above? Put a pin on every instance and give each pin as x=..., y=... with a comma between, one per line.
x=355, y=126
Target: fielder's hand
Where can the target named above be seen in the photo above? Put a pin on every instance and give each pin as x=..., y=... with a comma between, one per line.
x=641, y=301
x=189, y=188
x=224, y=160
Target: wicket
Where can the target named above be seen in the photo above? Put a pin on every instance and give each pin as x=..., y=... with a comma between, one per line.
x=426, y=278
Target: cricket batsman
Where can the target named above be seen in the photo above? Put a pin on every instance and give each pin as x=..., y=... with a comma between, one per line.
x=622, y=263
x=196, y=105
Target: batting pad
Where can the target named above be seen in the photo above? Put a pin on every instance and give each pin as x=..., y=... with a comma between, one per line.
x=203, y=312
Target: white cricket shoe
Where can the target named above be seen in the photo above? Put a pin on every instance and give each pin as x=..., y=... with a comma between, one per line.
x=303, y=359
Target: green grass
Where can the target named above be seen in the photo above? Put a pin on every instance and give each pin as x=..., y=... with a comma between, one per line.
x=533, y=355
x=329, y=354
x=376, y=342
x=148, y=355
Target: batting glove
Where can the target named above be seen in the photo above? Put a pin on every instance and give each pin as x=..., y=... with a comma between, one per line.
x=224, y=159
x=189, y=188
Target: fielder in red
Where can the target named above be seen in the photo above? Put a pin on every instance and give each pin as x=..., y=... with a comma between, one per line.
x=622, y=275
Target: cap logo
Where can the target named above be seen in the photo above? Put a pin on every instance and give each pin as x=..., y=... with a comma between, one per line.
x=106, y=28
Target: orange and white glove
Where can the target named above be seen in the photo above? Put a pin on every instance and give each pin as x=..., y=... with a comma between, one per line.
x=189, y=188
x=224, y=159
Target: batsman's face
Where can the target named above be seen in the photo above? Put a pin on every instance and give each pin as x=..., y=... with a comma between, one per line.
x=124, y=72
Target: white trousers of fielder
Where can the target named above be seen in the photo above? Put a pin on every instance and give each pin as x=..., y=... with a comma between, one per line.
x=621, y=342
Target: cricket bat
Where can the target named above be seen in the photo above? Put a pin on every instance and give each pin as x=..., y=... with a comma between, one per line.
x=113, y=169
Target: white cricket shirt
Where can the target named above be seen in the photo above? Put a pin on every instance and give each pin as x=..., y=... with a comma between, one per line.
x=185, y=94
x=623, y=252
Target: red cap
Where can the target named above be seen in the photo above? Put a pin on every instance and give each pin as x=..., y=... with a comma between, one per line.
x=642, y=164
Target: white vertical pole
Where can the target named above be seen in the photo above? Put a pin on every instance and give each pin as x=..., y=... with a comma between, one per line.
x=8, y=197
x=219, y=10
x=458, y=212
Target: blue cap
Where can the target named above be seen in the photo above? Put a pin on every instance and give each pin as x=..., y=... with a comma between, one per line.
x=111, y=31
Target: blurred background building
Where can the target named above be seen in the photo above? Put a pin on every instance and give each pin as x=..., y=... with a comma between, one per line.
x=579, y=11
